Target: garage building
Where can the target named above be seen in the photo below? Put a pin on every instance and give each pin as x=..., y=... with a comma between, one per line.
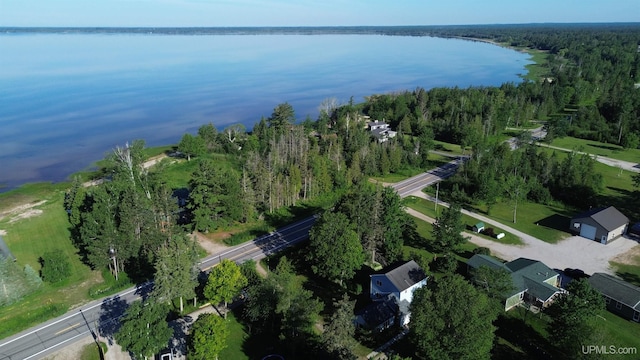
x=602, y=225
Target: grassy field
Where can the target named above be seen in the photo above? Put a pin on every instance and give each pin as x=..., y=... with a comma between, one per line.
x=597, y=148
x=539, y=69
x=29, y=239
x=549, y=223
x=428, y=208
x=448, y=147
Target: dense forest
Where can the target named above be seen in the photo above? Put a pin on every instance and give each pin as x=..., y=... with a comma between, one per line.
x=136, y=223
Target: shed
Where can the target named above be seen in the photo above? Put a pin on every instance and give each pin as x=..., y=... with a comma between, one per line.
x=479, y=227
x=603, y=225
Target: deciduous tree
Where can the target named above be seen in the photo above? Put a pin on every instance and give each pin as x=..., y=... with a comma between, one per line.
x=144, y=331
x=208, y=337
x=335, y=252
x=191, y=145
x=225, y=281
x=450, y=319
x=447, y=230
x=574, y=317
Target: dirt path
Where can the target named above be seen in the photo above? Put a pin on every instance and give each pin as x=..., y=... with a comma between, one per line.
x=626, y=165
x=213, y=243
x=22, y=211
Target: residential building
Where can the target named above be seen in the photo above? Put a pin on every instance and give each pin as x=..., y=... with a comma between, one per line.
x=380, y=130
x=392, y=293
x=620, y=297
x=534, y=283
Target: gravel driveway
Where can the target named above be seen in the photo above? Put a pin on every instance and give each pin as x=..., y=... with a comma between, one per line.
x=573, y=252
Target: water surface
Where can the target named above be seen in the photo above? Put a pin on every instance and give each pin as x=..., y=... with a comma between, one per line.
x=67, y=99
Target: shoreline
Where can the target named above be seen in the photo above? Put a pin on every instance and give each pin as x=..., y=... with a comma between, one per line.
x=7, y=190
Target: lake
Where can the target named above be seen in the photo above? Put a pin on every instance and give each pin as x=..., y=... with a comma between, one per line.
x=67, y=99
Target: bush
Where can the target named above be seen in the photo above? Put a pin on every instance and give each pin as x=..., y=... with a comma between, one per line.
x=55, y=267
x=489, y=232
x=445, y=264
x=482, y=251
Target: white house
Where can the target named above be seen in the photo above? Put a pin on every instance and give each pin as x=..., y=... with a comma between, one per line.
x=380, y=130
x=398, y=285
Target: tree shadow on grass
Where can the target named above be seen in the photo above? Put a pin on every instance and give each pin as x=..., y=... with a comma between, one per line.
x=555, y=221
x=629, y=277
x=603, y=146
x=523, y=336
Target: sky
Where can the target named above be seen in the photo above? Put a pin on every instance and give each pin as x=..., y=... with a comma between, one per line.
x=213, y=13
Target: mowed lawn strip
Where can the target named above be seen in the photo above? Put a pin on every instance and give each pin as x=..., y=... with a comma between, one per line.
x=427, y=207
x=597, y=148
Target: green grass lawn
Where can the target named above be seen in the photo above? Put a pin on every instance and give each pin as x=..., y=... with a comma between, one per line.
x=597, y=148
x=447, y=147
x=29, y=239
x=627, y=272
x=398, y=176
x=236, y=339
x=549, y=223
x=428, y=208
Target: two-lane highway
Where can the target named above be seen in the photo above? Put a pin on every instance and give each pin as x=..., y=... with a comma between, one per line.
x=406, y=187
x=100, y=317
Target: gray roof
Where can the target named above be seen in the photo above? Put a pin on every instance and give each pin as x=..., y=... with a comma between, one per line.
x=609, y=218
x=478, y=260
x=616, y=289
x=527, y=275
x=378, y=312
x=406, y=275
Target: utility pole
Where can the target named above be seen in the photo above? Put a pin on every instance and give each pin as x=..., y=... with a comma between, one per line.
x=437, y=190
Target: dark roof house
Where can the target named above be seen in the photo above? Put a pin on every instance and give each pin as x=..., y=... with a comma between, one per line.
x=396, y=285
x=603, y=225
x=533, y=281
x=620, y=297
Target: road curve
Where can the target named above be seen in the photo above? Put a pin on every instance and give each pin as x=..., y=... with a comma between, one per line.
x=99, y=318
x=407, y=187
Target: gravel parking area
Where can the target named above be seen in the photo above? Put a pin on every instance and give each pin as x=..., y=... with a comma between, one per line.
x=574, y=252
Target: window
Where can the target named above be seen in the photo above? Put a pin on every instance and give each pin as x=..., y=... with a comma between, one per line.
x=576, y=225
x=618, y=305
x=378, y=283
x=607, y=300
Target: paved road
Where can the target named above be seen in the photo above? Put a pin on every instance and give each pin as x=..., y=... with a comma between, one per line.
x=99, y=317
x=420, y=181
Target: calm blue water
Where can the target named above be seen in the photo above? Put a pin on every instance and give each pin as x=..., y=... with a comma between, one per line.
x=65, y=100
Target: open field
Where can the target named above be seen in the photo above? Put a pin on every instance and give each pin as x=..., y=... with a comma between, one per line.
x=28, y=239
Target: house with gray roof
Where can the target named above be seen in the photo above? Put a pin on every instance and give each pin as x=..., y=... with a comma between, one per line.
x=380, y=130
x=534, y=283
x=603, y=225
x=620, y=297
x=395, y=289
